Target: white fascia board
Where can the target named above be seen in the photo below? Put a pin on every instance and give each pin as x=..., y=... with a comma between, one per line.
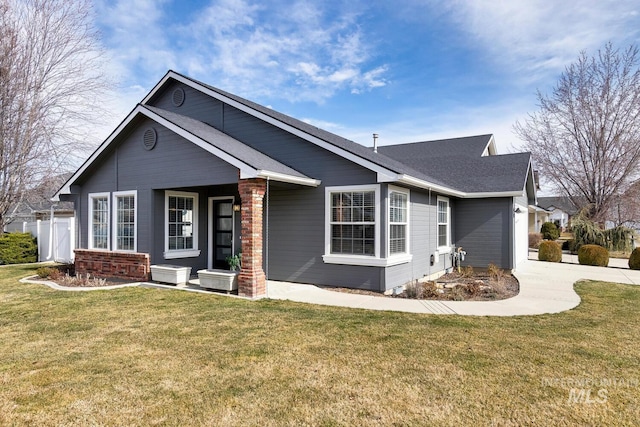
x=404, y=179
x=409, y=180
x=288, y=128
x=276, y=176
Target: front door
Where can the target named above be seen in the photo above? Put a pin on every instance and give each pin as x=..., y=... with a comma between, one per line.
x=222, y=232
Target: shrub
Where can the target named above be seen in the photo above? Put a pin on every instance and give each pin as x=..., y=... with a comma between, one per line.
x=534, y=240
x=18, y=248
x=467, y=271
x=549, y=251
x=593, y=255
x=495, y=272
x=43, y=272
x=473, y=289
x=634, y=259
x=421, y=290
x=550, y=231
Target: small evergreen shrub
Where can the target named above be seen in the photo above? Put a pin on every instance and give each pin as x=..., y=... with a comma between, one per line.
x=18, y=248
x=634, y=259
x=549, y=251
x=593, y=255
x=534, y=240
x=549, y=231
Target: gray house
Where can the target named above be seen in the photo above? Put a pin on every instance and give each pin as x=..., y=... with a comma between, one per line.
x=194, y=174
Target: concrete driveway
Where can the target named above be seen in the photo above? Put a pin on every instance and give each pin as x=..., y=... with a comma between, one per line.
x=545, y=287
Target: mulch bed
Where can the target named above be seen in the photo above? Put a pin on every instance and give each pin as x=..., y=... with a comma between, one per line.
x=456, y=287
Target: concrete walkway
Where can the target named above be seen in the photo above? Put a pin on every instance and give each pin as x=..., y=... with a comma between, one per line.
x=545, y=287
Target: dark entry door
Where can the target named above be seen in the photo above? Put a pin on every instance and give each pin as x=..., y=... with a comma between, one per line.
x=222, y=232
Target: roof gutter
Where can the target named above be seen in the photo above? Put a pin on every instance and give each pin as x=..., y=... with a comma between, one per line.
x=280, y=177
x=416, y=182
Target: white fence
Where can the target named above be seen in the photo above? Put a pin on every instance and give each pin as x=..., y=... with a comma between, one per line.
x=60, y=247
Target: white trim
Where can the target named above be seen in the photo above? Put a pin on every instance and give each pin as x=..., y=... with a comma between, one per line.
x=92, y=196
x=287, y=178
x=447, y=247
x=114, y=218
x=210, y=236
x=366, y=260
x=406, y=192
x=181, y=253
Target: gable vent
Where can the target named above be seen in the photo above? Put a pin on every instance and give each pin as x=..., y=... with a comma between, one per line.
x=149, y=138
x=178, y=97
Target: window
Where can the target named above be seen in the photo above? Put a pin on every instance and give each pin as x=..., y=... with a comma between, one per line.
x=99, y=221
x=444, y=219
x=181, y=232
x=398, y=221
x=353, y=222
x=352, y=226
x=125, y=221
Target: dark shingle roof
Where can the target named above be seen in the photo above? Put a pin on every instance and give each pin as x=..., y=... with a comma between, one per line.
x=558, y=202
x=336, y=140
x=458, y=163
x=469, y=146
x=224, y=142
x=452, y=163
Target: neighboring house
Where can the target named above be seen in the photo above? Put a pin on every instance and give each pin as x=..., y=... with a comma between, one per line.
x=194, y=174
x=560, y=209
x=25, y=213
x=537, y=217
x=36, y=205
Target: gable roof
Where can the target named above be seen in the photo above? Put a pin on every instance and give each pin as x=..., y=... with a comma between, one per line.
x=558, y=202
x=459, y=163
x=390, y=165
x=229, y=146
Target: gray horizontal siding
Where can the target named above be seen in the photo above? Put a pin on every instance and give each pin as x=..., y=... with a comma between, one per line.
x=423, y=229
x=483, y=229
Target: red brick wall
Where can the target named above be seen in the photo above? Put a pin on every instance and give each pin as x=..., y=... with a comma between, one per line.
x=251, y=280
x=124, y=265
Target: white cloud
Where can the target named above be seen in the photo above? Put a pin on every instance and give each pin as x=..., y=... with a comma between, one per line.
x=299, y=51
x=538, y=37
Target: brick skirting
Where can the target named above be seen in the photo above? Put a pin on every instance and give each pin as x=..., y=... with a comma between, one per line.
x=124, y=265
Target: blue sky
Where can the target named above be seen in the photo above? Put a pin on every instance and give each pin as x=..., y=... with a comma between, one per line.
x=409, y=70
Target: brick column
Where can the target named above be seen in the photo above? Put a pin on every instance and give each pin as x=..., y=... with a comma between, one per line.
x=251, y=280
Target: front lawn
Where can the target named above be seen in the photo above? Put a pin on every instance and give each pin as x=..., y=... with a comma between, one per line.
x=139, y=356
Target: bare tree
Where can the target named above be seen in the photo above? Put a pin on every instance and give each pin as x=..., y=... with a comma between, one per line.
x=585, y=139
x=51, y=78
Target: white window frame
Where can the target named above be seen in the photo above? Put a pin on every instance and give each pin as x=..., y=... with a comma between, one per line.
x=181, y=253
x=406, y=255
x=446, y=248
x=116, y=195
x=92, y=196
x=362, y=260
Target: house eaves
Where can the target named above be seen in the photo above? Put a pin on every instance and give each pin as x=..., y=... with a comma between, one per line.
x=386, y=168
x=246, y=170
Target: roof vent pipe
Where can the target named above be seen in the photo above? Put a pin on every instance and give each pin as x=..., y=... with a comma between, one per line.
x=375, y=142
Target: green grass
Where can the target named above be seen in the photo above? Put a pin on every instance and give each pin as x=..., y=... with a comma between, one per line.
x=152, y=357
